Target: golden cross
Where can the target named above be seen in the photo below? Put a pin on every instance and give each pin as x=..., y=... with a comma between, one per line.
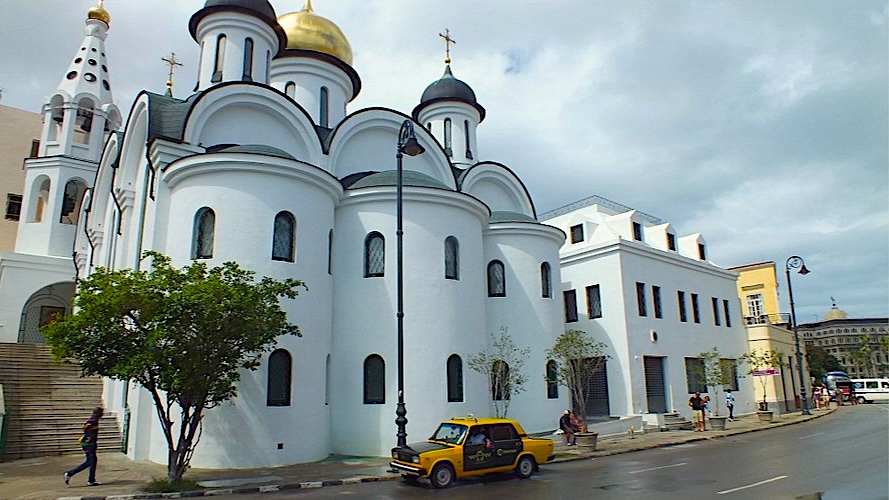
x=308, y=6
x=448, y=41
x=172, y=62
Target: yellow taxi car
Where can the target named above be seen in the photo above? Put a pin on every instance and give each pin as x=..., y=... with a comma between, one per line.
x=468, y=446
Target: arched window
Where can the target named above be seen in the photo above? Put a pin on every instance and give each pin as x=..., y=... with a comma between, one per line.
x=284, y=236
x=290, y=90
x=202, y=238
x=374, y=380
x=374, y=255
x=546, y=281
x=552, y=380
x=220, y=58
x=42, y=201
x=466, y=132
x=452, y=258
x=268, y=66
x=248, y=60
x=500, y=386
x=84, y=121
x=74, y=191
x=455, y=379
x=496, y=279
x=329, y=250
x=324, y=111
x=447, y=137
x=280, y=364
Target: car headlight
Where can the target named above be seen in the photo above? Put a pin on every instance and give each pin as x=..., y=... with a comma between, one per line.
x=416, y=459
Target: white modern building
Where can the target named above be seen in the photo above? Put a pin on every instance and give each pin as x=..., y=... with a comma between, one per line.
x=631, y=281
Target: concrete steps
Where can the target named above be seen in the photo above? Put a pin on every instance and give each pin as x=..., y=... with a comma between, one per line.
x=674, y=422
x=47, y=403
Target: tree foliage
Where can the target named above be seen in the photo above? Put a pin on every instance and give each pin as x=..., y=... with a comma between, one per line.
x=761, y=359
x=821, y=361
x=501, y=363
x=182, y=334
x=578, y=358
x=715, y=373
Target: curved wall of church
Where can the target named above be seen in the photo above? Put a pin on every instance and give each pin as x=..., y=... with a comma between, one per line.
x=530, y=319
x=442, y=316
x=245, y=206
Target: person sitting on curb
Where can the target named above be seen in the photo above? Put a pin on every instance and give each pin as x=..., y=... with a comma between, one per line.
x=567, y=428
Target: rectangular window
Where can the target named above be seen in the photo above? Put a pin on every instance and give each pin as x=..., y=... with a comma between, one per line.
x=728, y=317
x=755, y=309
x=671, y=241
x=715, y=303
x=680, y=296
x=593, y=302
x=570, y=306
x=637, y=231
x=640, y=299
x=694, y=370
x=702, y=251
x=656, y=297
x=695, y=309
x=729, y=369
x=35, y=148
x=13, y=206
x=577, y=233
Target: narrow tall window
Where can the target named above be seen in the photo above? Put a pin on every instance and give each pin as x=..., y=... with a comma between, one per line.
x=640, y=299
x=637, y=231
x=374, y=380
x=702, y=251
x=728, y=317
x=324, y=103
x=680, y=296
x=755, y=309
x=593, y=302
x=35, y=148
x=452, y=258
x=268, y=66
x=552, y=380
x=329, y=250
x=447, y=137
x=695, y=308
x=13, y=206
x=546, y=281
x=36, y=213
x=327, y=381
x=220, y=59
x=570, y=297
x=248, y=60
x=284, y=236
x=715, y=303
x=577, y=233
x=466, y=132
x=671, y=241
x=374, y=255
x=656, y=298
x=203, y=233
x=280, y=369
x=455, y=379
x=500, y=386
x=290, y=90
x=496, y=279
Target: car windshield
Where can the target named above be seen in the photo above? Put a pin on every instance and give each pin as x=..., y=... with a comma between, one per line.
x=449, y=433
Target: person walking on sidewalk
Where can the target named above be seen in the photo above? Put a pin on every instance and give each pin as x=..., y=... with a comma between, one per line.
x=730, y=404
x=89, y=442
x=697, y=410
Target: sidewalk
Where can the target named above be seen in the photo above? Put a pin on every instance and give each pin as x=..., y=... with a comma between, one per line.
x=41, y=478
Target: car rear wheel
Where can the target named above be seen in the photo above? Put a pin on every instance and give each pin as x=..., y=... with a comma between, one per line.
x=442, y=475
x=525, y=467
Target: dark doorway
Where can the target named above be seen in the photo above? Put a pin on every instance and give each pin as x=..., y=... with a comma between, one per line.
x=655, y=387
x=596, y=392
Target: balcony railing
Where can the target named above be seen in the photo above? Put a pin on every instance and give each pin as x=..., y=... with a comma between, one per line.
x=768, y=319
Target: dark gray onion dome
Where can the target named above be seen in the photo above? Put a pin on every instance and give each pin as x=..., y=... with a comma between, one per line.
x=503, y=216
x=261, y=9
x=257, y=149
x=390, y=178
x=448, y=88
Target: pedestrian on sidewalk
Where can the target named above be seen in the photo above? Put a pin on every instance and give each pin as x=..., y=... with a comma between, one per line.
x=730, y=404
x=89, y=443
x=697, y=407
x=567, y=428
x=816, y=397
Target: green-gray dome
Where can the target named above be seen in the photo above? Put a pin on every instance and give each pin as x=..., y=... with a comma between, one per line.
x=448, y=88
x=257, y=8
x=390, y=178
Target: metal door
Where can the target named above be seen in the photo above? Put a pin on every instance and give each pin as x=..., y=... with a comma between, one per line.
x=655, y=387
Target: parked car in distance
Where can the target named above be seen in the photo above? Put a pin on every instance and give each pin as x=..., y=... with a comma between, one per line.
x=841, y=380
x=868, y=390
x=469, y=446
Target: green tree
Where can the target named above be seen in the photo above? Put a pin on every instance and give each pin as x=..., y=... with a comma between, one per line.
x=759, y=360
x=578, y=358
x=821, y=361
x=182, y=334
x=883, y=345
x=863, y=355
x=715, y=373
x=501, y=363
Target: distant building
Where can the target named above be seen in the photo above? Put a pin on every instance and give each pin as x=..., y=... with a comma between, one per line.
x=841, y=336
x=19, y=139
x=770, y=330
x=629, y=280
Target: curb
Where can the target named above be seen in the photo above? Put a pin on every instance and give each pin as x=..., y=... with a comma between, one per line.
x=272, y=488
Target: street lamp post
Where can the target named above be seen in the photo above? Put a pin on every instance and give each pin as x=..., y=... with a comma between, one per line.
x=795, y=262
x=407, y=145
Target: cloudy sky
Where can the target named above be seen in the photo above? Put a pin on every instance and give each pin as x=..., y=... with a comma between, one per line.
x=762, y=125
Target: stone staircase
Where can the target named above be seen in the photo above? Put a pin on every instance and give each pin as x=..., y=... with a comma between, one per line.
x=47, y=403
x=674, y=422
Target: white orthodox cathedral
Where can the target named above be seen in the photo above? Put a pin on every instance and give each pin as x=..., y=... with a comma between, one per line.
x=264, y=166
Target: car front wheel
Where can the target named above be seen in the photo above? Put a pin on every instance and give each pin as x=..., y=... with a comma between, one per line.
x=525, y=467
x=861, y=400
x=442, y=475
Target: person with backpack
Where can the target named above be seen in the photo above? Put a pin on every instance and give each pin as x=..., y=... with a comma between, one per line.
x=89, y=442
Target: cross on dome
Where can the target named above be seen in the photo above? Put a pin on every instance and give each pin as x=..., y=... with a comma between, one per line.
x=448, y=41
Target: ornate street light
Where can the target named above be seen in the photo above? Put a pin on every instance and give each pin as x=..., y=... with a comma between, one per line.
x=407, y=145
x=796, y=262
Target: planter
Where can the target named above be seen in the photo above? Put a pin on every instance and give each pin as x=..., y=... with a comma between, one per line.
x=587, y=439
x=718, y=423
x=764, y=416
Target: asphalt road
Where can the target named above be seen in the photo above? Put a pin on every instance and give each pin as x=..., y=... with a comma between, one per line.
x=842, y=456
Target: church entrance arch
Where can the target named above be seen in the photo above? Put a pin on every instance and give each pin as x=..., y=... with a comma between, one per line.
x=44, y=306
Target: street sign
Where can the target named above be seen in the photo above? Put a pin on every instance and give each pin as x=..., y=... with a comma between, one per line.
x=766, y=372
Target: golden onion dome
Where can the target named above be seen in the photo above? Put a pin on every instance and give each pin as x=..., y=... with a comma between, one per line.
x=99, y=12
x=308, y=31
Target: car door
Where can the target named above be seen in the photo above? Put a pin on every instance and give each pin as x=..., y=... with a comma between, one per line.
x=506, y=443
x=478, y=456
